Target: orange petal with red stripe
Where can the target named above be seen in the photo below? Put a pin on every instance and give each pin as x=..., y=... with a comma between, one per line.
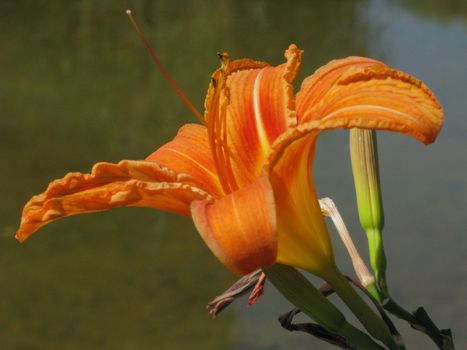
x=377, y=97
x=317, y=85
x=128, y=183
x=189, y=153
x=240, y=228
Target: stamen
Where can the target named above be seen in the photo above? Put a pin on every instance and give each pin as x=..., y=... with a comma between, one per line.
x=166, y=74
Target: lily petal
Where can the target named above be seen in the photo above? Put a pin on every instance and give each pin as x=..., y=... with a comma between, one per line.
x=373, y=97
x=128, y=183
x=377, y=97
x=240, y=228
x=189, y=153
x=317, y=85
x=257, y=105
x=303, y=239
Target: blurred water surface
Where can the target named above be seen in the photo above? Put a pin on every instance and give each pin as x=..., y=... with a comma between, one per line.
x=76, y=87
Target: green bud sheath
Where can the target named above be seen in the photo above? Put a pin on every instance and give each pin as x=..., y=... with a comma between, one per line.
x=364, y=157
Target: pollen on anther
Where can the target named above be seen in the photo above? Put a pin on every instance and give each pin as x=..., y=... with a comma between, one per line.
x=128, y=12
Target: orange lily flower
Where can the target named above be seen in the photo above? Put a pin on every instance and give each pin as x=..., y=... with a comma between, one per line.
x=244, y=175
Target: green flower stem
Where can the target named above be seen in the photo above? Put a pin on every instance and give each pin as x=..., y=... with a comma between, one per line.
x=420, y=321
x=370, y=320
x=301, y=293
x=357, y=338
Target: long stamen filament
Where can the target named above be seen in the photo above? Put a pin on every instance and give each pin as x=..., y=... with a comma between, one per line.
x=166, y=74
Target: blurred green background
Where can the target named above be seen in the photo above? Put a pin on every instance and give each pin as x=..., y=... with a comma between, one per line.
x=77, y=87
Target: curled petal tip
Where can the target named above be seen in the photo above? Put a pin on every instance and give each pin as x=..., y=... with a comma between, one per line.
x=20, y=237
x=293, y=56
x=293, y=50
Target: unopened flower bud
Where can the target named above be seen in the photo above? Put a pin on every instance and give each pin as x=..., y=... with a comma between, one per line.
x=364, y=157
